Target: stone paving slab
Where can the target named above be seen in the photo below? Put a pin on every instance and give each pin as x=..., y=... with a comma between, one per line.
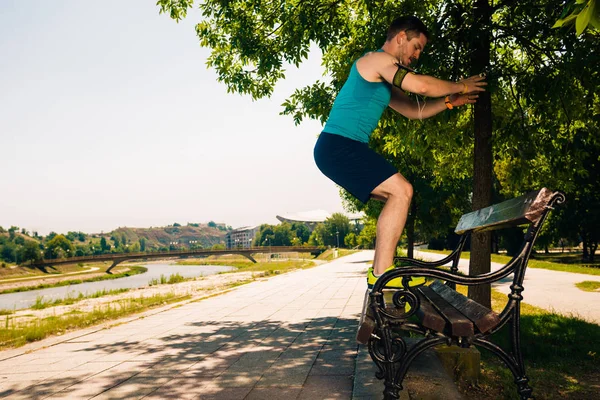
x=425, y=380
x=288, y=337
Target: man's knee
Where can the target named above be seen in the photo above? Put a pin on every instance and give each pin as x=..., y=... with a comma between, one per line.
x=395, y=186
x=406, y=190
x=402, y=188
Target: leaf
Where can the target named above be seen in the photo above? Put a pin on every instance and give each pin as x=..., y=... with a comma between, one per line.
x=595, y=22
x=583, y=19
x=564, y=21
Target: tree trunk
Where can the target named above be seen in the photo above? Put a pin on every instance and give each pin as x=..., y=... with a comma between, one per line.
x=482, y=167
x=410, y=230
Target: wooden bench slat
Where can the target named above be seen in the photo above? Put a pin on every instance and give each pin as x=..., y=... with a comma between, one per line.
x=429, y=316
x=458, y=324
x=366, y=325
x=483, y=318
x=524, y=209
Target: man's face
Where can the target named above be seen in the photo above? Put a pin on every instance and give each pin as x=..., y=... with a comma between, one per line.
x=410, y=50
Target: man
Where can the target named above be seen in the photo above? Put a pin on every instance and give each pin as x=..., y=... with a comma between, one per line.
x=378, y=80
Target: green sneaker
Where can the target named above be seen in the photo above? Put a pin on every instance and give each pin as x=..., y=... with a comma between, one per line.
x=395, y=283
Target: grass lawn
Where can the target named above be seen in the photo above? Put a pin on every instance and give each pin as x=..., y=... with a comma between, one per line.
x=273, y=266
x=15, y=334
x=263, y=264
x=550, y=262
x=561, y=356
x=589, y=286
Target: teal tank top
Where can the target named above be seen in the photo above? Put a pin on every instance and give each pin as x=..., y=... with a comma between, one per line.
x=358, y=107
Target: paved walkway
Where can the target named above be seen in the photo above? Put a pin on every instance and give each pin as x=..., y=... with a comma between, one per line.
x=288, y=337
x=551, y=290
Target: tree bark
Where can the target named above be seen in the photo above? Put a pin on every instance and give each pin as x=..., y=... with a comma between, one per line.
x=482, y=167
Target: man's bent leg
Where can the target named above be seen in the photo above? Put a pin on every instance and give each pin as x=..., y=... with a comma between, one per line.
x=398, y=194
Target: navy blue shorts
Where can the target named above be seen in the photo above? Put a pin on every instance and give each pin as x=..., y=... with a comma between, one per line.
x=351, y=164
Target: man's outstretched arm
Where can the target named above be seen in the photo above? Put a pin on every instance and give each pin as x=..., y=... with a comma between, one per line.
x=411, y=109
x=385, y=67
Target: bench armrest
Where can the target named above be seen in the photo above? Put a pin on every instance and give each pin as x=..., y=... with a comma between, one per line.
x=410, y=271
x=452, y=257
x=421, y=263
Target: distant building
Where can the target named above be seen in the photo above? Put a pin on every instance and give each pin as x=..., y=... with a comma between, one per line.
x=241, y=237
x=312, y=218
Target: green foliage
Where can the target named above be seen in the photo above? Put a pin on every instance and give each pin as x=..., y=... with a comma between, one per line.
x=104, y=246
x=335, y=230
x=177, y=9
x=317, y=236
x=212, y=224
x=116, y=240
x=301, y=232
x=366, y=238
x=72, y=236
x=282, y=235
x=351, y=240
x=59, y=247
x=332, y=230
x=31, y=251
x=8, y=252
x=264, y=236
x=584, y=14
x=543, y=84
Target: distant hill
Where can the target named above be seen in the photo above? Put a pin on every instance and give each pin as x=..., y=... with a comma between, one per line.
x=194, y=235
x=19, y=246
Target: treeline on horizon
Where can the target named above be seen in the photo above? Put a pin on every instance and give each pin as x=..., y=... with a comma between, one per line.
x=565, y=228
x=19, y=246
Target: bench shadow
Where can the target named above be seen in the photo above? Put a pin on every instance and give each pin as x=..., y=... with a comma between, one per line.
x=211, y=360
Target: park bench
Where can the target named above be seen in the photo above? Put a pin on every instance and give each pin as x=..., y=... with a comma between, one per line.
x=441, y=315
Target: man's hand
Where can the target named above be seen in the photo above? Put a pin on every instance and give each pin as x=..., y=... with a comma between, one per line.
x=458, y=100
x=473, y=84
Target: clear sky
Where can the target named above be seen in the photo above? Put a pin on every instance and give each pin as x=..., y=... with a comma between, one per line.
x=109, y=117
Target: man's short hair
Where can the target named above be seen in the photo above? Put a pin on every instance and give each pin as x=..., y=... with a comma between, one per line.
x=413, y=26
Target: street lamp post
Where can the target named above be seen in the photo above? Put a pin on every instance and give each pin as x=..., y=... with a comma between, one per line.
x=337, y=235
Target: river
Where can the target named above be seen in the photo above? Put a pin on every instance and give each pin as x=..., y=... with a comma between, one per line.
x=21, y=300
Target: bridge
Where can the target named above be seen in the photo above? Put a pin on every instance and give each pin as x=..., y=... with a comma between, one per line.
x=119, y=258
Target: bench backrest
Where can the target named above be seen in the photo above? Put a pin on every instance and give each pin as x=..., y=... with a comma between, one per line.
x=525, y=209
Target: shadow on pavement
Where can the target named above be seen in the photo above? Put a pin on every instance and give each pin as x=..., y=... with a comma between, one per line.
x=210, y=360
